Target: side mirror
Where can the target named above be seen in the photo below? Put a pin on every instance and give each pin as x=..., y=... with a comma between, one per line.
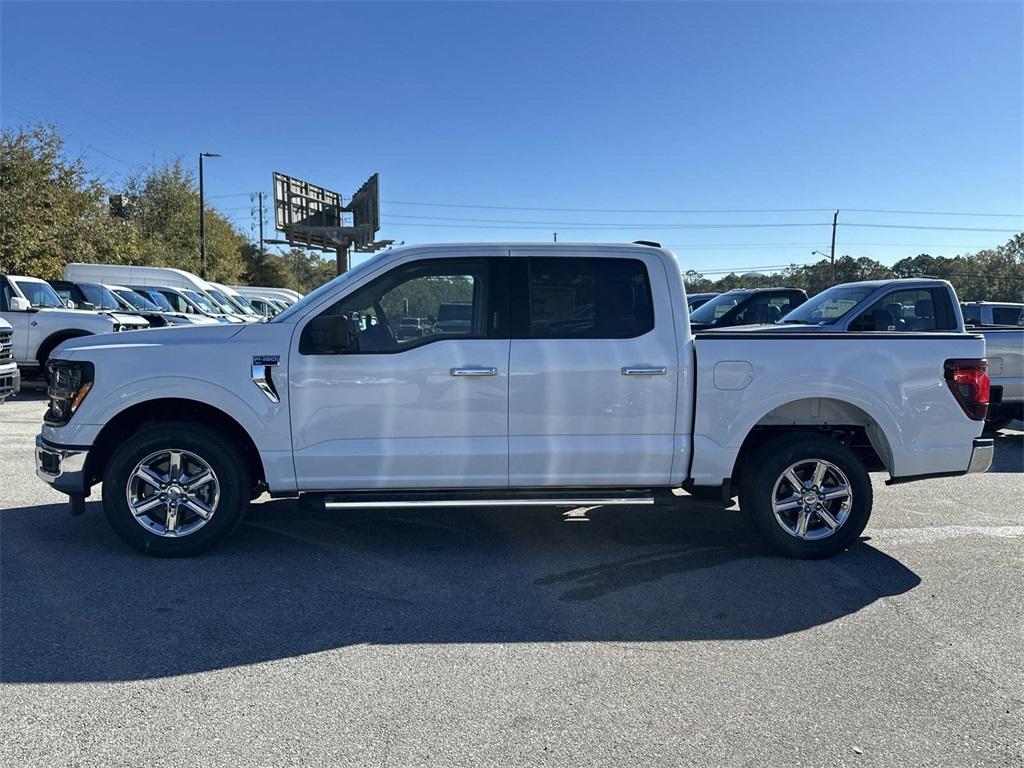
x=70, y=304
x=328, y=335
x=87, y=305
x=19, y=304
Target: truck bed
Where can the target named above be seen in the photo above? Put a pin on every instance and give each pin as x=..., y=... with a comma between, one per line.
x=891, y=385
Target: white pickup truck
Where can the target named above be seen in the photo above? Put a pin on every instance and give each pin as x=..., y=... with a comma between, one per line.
x=918, y=305
x=41, y=321
x=10, y=376
x=575, y=381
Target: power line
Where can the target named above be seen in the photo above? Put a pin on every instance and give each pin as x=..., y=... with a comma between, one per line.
x=583, y=226
x=587, y=226
x=915, y=226
x=697, y=210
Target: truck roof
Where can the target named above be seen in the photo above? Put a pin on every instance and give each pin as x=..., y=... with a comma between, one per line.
x=896, y=281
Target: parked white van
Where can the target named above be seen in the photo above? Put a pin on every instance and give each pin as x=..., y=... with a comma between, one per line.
x=151, y=277
x=254, y=291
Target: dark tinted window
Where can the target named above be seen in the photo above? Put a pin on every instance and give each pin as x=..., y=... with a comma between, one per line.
x=763, y=308
x=1005, y=315
x=5, y=295
x=581, y=298
x=921, y=309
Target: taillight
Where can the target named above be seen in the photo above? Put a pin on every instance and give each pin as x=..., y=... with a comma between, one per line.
x=968, y=381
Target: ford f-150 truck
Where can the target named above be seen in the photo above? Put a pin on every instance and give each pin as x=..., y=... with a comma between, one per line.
x=41, y=320
x=575, y=380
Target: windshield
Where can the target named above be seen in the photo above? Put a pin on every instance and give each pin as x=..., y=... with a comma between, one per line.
x=135, y=298
x=828, y=306
x=159, y=300
x=39, y=295
x=246, y=305
x=100, y=296
x=201, y=301
x=329, y=287
x=223, y=302
x=716, y=307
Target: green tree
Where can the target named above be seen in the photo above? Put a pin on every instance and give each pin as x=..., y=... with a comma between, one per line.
x=51, y=210
x=163, y=203
x=264, y=269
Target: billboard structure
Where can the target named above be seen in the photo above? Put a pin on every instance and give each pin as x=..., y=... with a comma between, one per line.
x=311, y=216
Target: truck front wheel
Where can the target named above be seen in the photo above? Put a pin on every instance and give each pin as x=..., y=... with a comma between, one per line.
x=809, y=496
x=175, y=489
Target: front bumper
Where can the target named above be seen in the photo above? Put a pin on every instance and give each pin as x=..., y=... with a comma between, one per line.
x=62, y=467
x=10, y=381
x=981, y=455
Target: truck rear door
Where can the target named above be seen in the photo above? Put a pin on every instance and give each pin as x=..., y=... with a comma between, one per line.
x=593, y=370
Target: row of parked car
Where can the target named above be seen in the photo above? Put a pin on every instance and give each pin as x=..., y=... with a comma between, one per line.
x=908, y=305
x=37, y=315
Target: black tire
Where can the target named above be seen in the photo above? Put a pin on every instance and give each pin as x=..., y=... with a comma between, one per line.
x=226, y=461
x=766, y=468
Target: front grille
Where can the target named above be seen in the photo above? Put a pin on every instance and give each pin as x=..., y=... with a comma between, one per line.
x=6, y=345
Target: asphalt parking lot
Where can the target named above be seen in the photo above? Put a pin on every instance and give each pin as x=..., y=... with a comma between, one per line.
x=507, y=637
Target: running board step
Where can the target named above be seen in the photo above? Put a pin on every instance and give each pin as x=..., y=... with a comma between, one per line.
x=448, y=499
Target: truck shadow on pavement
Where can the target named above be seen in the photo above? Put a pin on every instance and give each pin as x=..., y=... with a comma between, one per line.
x=78, y=605
x=1009, y=454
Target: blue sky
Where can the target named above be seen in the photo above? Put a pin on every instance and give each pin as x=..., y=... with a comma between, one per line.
x=652, y=107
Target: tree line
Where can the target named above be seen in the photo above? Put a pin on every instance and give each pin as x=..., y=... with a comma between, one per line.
x=53, y=211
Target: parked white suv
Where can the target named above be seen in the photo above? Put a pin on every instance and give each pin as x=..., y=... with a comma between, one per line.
x=571, y=378
x=41, y=321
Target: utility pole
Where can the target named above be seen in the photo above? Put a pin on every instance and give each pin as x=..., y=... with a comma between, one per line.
x=341, y=256
x=261, y=223
x=202, y=212
x=835, y=221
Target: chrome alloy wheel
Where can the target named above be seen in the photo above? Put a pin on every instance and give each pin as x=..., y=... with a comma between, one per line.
x=812, y=499
x=173, y=493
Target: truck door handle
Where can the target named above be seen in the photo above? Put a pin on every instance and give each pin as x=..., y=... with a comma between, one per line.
x=638, y=370
x=474, y=371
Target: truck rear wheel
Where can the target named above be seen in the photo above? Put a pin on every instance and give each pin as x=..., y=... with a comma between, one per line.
x=809, y=496
x=175, y=489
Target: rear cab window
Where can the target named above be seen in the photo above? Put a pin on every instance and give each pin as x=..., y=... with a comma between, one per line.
x=582, y=298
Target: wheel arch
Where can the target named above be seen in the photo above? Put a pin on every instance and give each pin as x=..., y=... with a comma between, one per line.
x=849, y=423
x=54, y=340
x=128, y=421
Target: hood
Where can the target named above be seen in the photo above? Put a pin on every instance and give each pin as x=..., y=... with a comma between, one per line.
x=171, y=336
x=128, y=319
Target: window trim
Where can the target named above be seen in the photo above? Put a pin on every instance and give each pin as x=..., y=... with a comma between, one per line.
x=496, y=306
x=521, y=327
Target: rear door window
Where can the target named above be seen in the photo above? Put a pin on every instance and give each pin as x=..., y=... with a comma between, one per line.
x=585, y=298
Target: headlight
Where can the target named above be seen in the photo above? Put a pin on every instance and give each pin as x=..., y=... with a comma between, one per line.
x=70, y=382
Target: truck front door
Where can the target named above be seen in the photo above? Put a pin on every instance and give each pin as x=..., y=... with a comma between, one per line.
x=397, y=410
